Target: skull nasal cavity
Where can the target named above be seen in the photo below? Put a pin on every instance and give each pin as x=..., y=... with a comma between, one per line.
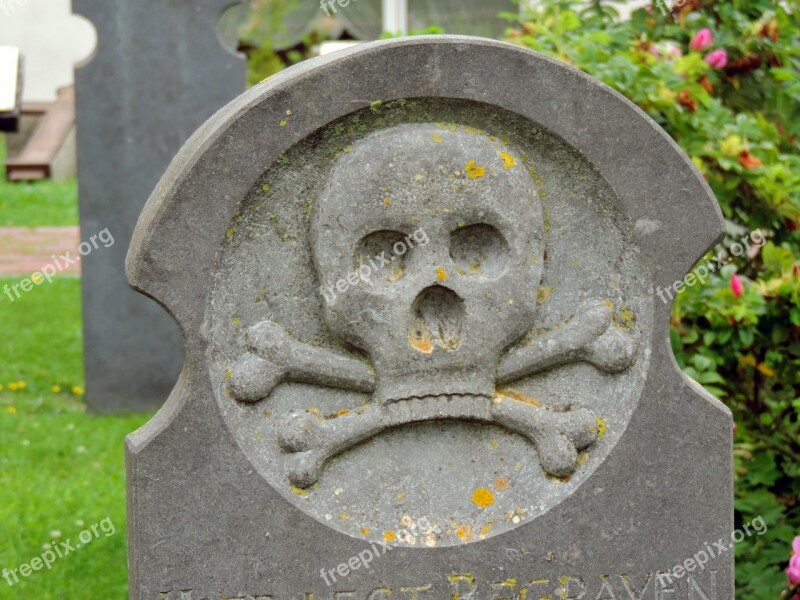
x=437, y=316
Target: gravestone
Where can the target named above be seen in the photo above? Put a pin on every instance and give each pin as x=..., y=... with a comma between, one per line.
x=363, y=18
x=158, y=72
x=416, y=282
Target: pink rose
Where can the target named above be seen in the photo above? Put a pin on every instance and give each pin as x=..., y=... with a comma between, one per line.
x=702, y=40
x=793, y=570
x=737, y=287
x=717, y=59
x=674, y=51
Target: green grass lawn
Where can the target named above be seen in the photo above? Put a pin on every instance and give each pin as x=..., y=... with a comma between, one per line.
x=41, y=203
x=61, y=470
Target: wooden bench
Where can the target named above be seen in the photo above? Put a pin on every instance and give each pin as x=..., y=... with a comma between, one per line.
x=45, y=148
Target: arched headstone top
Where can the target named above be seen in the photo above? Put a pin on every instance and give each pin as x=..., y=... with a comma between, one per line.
x=662, y=193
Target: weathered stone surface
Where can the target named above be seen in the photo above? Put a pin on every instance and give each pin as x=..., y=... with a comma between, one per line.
x=158, y=72
x=416, y=285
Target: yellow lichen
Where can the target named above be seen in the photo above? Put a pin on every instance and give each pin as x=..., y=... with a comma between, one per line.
x=236, y=321
x=389, y=536
x=518, y=396
x=512, y=583
x=474, y=171
x=299, y=491
x=543, y=294
x=508, y=160
x=344, y=516
x=387, y=201
x=284, y=123
x=228, y=375
x=230, y=233
x=627, y=317
x=364, y=531
x=342, y=412
x=602, y=426
x=436, y=138
x=440, y=274
x=421, y=344
x=483, y=497
x=396, y=274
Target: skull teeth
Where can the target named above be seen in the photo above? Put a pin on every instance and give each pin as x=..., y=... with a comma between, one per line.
x=310, y=441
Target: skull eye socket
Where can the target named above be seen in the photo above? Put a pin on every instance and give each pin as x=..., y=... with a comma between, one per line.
x=381, y=255
x=479, y=250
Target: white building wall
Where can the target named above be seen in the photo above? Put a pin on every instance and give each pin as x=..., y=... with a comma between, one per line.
x=52, y=40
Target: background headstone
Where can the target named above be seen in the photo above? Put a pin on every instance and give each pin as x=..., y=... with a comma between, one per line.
x=490, y=409
x=158, y=72
x=282, y=23
x=363, y=18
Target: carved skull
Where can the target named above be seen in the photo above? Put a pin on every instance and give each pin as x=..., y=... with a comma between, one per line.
x=428, y=267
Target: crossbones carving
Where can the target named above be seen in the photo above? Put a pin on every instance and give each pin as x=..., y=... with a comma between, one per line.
x=444, y=329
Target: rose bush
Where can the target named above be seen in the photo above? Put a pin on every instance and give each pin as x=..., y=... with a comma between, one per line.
x=723, y=78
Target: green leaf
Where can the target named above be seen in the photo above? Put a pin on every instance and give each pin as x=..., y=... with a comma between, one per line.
x=783, y=74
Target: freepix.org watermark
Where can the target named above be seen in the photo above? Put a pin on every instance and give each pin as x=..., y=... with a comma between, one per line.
x=372, y=265
x=667, y=6
x=330, y=5
x=59, y=263
x=422, y=527
x=58, y=550
x=711, y=551
x=9, y=7
x=753, y=240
